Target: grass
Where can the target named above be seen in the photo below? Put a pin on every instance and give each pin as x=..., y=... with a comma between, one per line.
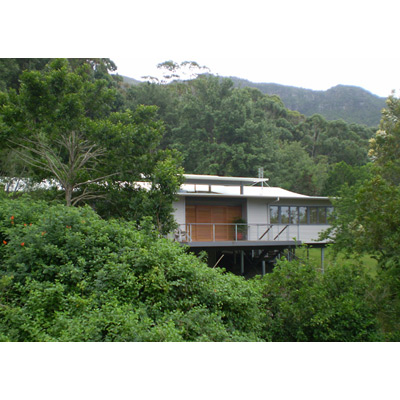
x=314, y=255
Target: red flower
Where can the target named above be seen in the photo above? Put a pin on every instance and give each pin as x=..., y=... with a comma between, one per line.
x=24, y=224
x=12, y=217
x=4, y=242
x=23, y=244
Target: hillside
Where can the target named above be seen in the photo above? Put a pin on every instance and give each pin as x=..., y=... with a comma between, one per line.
x=350, y=103
x=129, y=81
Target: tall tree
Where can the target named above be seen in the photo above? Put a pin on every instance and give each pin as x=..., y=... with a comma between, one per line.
x=62, y=123
x=368, y=217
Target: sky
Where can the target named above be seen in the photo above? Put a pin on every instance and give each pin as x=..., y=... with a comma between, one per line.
x=312, y=44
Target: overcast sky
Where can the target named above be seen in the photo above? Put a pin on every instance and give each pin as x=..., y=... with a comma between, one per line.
x=313, y=44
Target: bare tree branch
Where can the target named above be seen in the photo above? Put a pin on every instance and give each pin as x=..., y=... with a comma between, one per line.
x=82, y=156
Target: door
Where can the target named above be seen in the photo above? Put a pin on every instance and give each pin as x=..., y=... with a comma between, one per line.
x=215, y=220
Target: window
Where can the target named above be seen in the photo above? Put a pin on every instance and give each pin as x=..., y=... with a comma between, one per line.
x=274, y=214
x=294, y=215
x=303, y=215
x=313, y=215
x=284, y=215
x=322, y=215
x=300, y=215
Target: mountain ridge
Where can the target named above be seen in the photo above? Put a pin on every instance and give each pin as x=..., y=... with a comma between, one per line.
x=353, y=104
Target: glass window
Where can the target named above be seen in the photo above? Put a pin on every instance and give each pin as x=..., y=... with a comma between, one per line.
x=284, y=215
x=294, y=215
x=300, y=215
x=274, y=215
x=313, y=215
x=322, y=215
x=303, y=215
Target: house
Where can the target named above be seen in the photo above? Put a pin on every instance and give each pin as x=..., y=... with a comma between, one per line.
x=246, y=221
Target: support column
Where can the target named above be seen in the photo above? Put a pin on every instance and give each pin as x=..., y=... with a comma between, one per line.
x=263, y=268
x=242, y=262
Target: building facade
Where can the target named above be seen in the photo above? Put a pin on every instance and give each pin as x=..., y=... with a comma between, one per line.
x=245, y=216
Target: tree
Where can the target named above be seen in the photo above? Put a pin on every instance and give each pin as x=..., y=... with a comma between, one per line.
x=172, y=71
x=367, y=215
x=74, y=172
x=63, y=125
x=340, y=174
x=385, y=146
x=12, y=68
x=50, y=120
x=368, y=219
x=302, y=304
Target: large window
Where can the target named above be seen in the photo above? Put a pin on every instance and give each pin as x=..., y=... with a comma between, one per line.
x=300, y=214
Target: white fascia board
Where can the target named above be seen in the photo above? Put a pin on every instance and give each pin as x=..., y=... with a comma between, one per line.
x=222, y=195
x=222, y=180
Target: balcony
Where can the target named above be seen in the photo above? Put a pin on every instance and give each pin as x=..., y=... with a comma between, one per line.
x=222, y=232
x=218, y=232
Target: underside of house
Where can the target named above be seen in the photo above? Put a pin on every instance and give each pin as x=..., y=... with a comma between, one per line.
x=243, y=224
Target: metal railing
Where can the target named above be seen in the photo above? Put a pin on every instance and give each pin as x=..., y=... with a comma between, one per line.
x=216, y=232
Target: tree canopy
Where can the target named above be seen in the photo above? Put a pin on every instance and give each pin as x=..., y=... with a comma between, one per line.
x=63, y=125
x=220, y=129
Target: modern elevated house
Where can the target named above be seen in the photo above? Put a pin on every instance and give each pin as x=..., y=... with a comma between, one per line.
x=245, y=223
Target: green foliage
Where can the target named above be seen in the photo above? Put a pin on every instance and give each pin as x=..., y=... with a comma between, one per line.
x=63, y=125
x=367, y=216
x=344, y=174
x=67, y=275
x=304, y=305
x=223, y=130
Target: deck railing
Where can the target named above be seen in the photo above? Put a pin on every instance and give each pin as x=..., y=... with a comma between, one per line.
x=217, y=232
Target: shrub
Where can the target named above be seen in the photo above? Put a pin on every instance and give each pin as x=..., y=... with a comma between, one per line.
x=68, y=275
x=302, y=304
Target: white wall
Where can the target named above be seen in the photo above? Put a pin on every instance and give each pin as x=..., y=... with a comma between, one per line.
x=180, y=210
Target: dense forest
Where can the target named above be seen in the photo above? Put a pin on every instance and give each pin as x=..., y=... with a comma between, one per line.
x=86, y=259
x=223, y=130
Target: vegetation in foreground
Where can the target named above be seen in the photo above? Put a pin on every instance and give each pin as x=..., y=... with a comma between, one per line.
x=68, y=275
